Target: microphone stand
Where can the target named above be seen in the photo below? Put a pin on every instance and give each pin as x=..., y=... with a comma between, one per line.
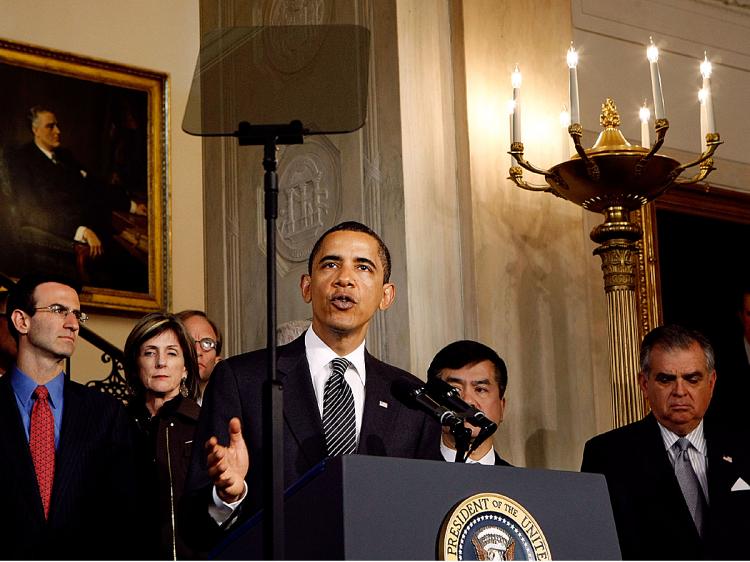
x=462, y=437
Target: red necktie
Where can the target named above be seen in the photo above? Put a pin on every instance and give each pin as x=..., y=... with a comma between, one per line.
x=42, y=445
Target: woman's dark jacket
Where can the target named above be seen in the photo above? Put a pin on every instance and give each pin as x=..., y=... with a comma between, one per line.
x=165, y=442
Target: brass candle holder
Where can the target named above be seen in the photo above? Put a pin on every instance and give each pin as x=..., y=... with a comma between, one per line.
x=615, y=178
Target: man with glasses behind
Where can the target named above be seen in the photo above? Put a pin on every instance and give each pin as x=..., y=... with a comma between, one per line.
x=66, y=475
x=208, y=341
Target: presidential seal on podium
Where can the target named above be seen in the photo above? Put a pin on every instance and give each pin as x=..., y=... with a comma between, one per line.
x=491, y=527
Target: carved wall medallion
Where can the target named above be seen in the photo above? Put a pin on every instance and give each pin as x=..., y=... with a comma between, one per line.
x=309, y=195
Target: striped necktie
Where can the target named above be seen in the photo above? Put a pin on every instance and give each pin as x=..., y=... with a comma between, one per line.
x=339, y=422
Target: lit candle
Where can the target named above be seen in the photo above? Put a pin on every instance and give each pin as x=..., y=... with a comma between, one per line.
x=645, y=115
x=515, y=79
x=707, y=101
x=511, y=110
x=564, y=118
x=653, y=56
x=575, y=110
x=704, y=121
x=567, y=147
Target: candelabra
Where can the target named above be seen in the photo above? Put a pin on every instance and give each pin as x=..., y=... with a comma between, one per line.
x=615, y=178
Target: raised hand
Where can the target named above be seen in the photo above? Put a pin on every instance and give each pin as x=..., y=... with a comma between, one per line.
x=227, y=466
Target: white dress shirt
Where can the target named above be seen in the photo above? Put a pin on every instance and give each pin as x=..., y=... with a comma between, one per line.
x=450, y=455
x=696, y=453
x=319, y=357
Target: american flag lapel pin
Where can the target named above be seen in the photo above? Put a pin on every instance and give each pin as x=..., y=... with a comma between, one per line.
x=383, y=404
x=727, y=458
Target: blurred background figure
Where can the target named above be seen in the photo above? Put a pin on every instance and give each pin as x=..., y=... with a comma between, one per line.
x=291, y=330
x=161, y=369
x=208, y=343
x=733, y=368
x=8, y=348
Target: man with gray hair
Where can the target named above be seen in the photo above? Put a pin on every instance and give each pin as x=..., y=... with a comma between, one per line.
x=678, y=486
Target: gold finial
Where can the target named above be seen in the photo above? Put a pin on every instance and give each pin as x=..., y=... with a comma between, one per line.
x=609, y=117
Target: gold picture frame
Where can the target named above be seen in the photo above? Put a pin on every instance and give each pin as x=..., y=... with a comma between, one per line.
x=720, y=258
x=113, y=118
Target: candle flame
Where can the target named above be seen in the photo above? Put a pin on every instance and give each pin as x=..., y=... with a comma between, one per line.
x=644, y=113
x=652, y=52
x=706, y=67
x=515, y=78
x=572, y=57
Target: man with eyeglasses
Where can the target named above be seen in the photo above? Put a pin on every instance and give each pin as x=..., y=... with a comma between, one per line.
x=67, y=476
x=208, y=341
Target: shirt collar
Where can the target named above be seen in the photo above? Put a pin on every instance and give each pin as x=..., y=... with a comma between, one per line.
x=46, y=152
x=319, y=355
x=450, y=455
x=695, y=437
x=24, y=387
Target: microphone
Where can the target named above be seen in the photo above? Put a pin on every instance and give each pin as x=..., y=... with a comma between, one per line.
x=450, y=397
x=415, y=396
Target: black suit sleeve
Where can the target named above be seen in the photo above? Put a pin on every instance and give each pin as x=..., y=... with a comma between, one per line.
x=221, y=402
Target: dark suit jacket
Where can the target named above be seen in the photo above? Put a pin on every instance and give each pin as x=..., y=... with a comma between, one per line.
x=56, y=198
x=500, y=461
x=728, y=405
x=653, y=521
x=92, y=506
x=51, y=197
x=235, y=389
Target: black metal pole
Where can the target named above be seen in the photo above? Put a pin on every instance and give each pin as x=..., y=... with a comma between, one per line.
x=273, y=403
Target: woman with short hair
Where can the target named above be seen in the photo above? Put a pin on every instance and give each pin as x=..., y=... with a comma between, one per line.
x=162, y=372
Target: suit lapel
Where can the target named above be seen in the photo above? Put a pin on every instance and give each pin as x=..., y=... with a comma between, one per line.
x=300, y=407
x=14, y=449
x=73, y=435
x=664, y=481
x=722, y=471
x=659, y=466
x=379, y=408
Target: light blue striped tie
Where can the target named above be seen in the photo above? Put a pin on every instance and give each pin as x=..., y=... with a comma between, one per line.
x=339, y=422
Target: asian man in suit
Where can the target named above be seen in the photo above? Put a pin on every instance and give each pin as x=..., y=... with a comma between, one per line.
x=481, y=377
x=66, y=475
x=347, y=283
x=678, y=484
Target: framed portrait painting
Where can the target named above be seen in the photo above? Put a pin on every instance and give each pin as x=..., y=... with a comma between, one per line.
x=84, y=175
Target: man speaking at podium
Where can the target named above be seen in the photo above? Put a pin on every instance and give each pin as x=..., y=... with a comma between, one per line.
x=337, y=397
